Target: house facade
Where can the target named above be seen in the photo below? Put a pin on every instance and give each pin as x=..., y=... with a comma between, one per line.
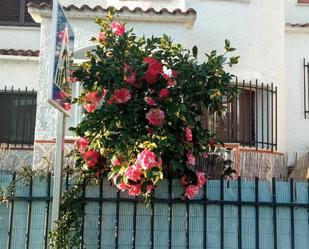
x=271, y=116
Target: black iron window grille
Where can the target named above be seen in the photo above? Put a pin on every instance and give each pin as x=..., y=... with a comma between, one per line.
x=14, y=12
x=250, y=120
x=306, y=89
x=17, y=117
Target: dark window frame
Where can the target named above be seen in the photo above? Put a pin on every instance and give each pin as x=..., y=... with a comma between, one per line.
x=17, y=117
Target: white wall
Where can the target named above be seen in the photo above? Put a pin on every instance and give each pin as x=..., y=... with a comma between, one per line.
x=19, y=37
x=296, y=13
x=19, y=73
x=297, y=127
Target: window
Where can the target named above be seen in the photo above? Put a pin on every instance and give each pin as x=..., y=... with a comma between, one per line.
x=250, y=120
x=17, y=117
x=14, y=12
x=303, y=1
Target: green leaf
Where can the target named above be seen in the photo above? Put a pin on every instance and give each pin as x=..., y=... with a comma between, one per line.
x=195, y=51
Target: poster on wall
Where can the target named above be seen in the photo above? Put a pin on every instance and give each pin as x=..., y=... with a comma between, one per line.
x=62, y=55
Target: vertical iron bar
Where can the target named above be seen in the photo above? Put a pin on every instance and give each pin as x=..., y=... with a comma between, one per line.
x=33, y=116
x=229, y=114
x=117, y=222
x=187, y=225
x=239, y=215
x=222, y=213
x=243, y=113
x=236, y=114
x=256, y=117
x=272, y=116
x=307, y=84
x=250, y=115
x=152, y=225
x=274, y=212
x=305, y=99
x=24, y=112
x=22, y=11
x=28, y=226
x=276, y=118
x=17, y=117
x=257, y=214
x=134, y=225
x=47, y=205
x=11, y=212
x=205, y=218
x=262, y=115
x=100, y=213
x=267, y=117
x=292, y=214
x=170, y=212
x=11, y=136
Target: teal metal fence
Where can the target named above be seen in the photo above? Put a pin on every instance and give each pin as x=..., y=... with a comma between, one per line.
x=226, y=215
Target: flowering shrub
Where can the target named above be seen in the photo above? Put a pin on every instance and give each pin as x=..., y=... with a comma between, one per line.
x=142, y=99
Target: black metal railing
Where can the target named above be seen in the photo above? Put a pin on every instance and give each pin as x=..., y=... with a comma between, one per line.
x=306, y=89
x=17, y=117
x=250, y=119
x=225, y=211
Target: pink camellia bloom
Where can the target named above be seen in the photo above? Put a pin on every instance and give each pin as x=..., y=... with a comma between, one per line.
x=171, y=82
x=150, y=101
x=82, y=143
x=155, y=117
x=90, y=107
x=191, y=160
x=131, y=79
x=201, y=178
x=164, y=93
x=117, y=28
x=92, y=97
x=155, y=68
x=116, y=161
x=135, y=190
x=121, y=186
x=102, y=37
x=188, y=134
x=184, y=181
x=147, y=159
x=91, y=158
x=121, y=96
x=134, y=172
x=192, y=191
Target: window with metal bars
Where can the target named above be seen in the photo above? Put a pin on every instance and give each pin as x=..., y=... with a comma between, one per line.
x=250, y=120
x=15, y=12
x=17, y=117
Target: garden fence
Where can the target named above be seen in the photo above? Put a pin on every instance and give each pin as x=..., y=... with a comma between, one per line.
x=227, y=214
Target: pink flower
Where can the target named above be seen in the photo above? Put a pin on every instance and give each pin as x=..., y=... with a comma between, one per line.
x=121, y=186
x=117, y=28
x=67, y=106
x=121, y=96
x=171, y=82
x=191, y=160
x=192, y=191
x=116, y=161
x=188, y=134
x=184, y=181
x=90, y=107
x=82, y=143
x=73, y=79
x=149, y=188
x=102, y=37
x=135, y=190
x=130, y=76
x=92, y=97
x=147, y=159
x=150, y=101
x=201, y=179
x=154, y=70
x=155, y=117
x=91, y=158
x=134, y=172
x=164, y=93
